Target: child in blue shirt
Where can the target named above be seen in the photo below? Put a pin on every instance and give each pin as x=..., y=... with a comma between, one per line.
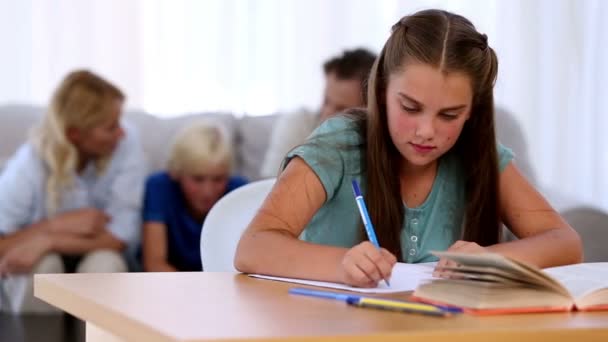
x=177, y=201
x=431, y=171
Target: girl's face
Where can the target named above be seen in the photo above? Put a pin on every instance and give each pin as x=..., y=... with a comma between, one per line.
x=101, y=140
x=426, y=111
x=203, y=188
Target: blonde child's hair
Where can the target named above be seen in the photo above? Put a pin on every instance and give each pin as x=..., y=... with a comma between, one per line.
x=83, y=100
x=200, y=145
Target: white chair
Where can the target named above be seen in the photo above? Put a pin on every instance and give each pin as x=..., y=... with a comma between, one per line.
x=592, y=226
x=226, y=221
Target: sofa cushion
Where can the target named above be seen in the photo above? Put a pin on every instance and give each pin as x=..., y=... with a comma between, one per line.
x=17, y=122
x=157, y=133
x=253, y=135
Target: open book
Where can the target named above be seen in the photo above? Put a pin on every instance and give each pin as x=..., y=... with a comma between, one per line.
x=405, y=277
x=491, y=283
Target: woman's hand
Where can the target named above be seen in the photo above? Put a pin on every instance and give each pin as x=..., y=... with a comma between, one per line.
x=461, y=247
x=83, y=222
x=23, y=257
x=365, y=265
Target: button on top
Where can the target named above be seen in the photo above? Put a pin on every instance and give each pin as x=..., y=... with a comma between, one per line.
x=414, y=221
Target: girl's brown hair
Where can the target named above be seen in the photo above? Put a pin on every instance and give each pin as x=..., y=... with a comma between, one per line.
x=450, y=43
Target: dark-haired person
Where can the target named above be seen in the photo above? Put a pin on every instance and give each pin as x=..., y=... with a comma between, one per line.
x=433, y=175
x=345, y=79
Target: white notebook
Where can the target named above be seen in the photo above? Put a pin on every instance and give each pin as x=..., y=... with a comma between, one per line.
x=405, y=277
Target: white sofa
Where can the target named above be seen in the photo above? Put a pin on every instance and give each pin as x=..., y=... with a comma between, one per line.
x=251, y=135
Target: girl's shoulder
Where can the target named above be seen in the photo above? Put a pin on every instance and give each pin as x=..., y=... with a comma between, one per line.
x=454, y=162
x=340, y=129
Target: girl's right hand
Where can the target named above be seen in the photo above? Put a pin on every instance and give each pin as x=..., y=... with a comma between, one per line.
x=365, y=265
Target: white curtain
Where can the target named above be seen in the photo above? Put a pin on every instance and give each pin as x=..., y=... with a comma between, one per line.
x=264, y=56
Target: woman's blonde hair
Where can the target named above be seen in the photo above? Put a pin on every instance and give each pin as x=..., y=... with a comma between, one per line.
x=83, y=100
x=200, y=145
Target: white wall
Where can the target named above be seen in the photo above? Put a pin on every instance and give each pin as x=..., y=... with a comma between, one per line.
x=264, y=56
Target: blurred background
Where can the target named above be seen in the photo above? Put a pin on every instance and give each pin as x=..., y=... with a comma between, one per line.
x=264, y=56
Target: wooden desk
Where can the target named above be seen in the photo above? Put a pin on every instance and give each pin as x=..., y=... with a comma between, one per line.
x=234, y=307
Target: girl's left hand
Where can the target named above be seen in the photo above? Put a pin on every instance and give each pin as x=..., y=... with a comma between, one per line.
x=458, y=246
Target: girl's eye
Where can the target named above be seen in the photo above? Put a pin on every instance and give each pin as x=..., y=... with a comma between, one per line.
x=448, y=116
x=410, y=109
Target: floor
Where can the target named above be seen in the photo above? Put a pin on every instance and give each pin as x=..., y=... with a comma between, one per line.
x=47, y=328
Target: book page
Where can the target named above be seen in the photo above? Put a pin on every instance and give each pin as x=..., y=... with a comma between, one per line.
x=581, y=279
x=492, y=296
x=524, y=272
x=405, y=277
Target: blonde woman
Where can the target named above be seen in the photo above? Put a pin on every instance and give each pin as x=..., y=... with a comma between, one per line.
x=177, y=201
x=70, y=197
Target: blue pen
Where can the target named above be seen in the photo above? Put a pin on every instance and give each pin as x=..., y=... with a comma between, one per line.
x=452, y=309
x=322, y=294
x=367, y=222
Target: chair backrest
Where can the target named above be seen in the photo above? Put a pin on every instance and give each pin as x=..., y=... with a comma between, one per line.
x=592, y=226
x=226, y=221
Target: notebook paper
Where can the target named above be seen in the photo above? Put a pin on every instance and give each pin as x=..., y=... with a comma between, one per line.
x=405, y=277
